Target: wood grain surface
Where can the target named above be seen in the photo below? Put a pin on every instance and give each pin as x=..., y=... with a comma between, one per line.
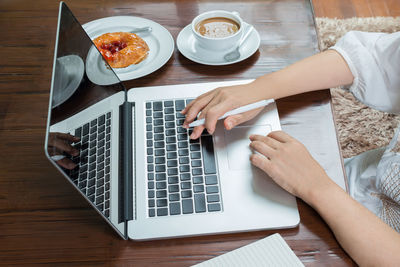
x=43, y=220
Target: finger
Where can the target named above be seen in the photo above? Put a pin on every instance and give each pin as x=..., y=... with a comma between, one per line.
x=195, y=107
x=66, y=163
x=197, y=132
x=63, y=146
x=262, y=148
x=67, y=137
x=214, y=110
x=200, y=97
x=235, y=120
x=261, y=162
x=281, y=136
x=265, y=139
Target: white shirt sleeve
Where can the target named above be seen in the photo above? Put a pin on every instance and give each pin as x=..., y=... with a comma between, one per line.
x=374, y=60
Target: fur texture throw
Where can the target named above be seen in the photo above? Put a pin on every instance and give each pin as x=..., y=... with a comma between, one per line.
x=360, y=128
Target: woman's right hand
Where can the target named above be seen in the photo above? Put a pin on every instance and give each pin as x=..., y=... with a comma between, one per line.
x=217, y=102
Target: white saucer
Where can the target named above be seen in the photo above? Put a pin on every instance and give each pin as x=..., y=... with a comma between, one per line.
x=159, y=40
x=68, y=76
x=189, y=47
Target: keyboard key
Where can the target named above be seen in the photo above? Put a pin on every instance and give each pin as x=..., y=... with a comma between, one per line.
x=214, y=207
x=168, y=103
x=172, y=163
x=199, y=203
x=212, y=189
x=185, y=176
x=159, y=152
x=195, y=155
x=173, y=188
x=161, y=194
x=169, y=124
x=172, y=171
x=197, y=171
x=198, y=179
x=186, y=194
x=169, y=117
x=174, y=197
x=184, y=168
x=212, y=198
x=179, y=105
x=187, y=206
x=151, y=203
x=186, y=185
x=78, y=132
x=162, y=202
x=179, y=115
x=157, y=106
x=208, y=155
x=149, y=143
x=160, y=160
x=161, y=185
x=195, y=147
x=85, y=129
x=196, y=163
x=183, y=152
x=198, y=188
x=159, y=137
x=152, y=213
x=184, y=160
x=211, y=179
x=161, y=177
x=150, y=194
x=181, y=130
x=162, y=212
x=148, y=105
x=148, y=113
x=173, y=180
x=150, y=159
x=149, y=119
x=172, y=155
x=150, y=185
x=183, y=144
x=158, y=115
x=102, y=120
x=149, y=127
x=182, y=137
x=171, y=147
x=170, y=139
x=170, y=132
x=169, y=110
x=175, y=208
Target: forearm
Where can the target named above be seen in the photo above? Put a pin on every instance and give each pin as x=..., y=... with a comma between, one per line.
x=366, y=238
x=321, y=71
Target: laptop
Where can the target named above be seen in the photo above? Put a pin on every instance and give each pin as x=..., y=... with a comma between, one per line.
x=136, y=165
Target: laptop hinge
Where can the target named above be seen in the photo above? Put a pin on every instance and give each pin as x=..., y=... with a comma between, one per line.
x=125, y=185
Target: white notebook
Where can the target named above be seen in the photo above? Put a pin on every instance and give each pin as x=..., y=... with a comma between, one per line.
x=269, y=251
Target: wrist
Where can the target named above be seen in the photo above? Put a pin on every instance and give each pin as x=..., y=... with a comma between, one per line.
x=320, y=192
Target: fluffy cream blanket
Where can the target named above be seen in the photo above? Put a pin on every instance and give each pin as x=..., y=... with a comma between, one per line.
x=359, y=128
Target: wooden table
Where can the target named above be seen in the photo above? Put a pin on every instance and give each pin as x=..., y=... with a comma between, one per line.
x=43, y=220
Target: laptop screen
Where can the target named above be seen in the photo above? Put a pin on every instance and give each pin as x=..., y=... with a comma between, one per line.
x=81, y=78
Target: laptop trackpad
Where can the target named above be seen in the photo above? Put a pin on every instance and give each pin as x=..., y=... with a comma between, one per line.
x=237, y=145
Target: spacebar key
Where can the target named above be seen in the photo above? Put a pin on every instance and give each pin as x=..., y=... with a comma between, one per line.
x=208, y=154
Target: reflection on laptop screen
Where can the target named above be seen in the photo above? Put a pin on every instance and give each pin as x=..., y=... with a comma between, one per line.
x=79, y=137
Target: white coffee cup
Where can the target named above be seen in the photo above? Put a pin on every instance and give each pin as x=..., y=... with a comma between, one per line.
x=218, y=43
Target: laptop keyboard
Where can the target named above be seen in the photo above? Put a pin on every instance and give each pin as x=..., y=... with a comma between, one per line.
x=92, y=175
x=182, y=176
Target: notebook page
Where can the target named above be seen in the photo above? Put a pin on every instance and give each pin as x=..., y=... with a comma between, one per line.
x=269, y=251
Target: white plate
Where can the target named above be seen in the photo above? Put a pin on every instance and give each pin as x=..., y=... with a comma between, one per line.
x=189, y=47
x=159, y=40
x=68, y=77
